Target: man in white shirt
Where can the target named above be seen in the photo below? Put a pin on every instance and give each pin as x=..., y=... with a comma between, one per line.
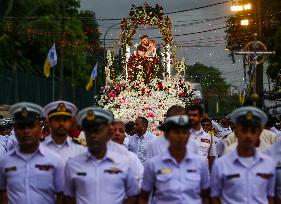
x=138, y=143
x=59, y=114
x=204, y=141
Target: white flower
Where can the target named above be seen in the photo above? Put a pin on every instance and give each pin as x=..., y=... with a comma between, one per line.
x=151, y=104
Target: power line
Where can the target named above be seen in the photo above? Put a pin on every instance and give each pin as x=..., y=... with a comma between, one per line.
x=197, y=8
x=204, y=31
x=178, y=35
x=197, y=22
x=173, y=12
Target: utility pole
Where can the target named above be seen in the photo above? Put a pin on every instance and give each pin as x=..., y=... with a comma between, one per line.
x=62, y=46
x=259, y=70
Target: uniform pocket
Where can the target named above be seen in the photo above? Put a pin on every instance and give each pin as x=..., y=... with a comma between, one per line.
x=192, y=183
x=42, y=182
x=85, y=185
x=113, y=182
x=165, y=183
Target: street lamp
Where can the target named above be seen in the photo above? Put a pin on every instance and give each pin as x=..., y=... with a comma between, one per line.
x=247, y=6
x=244, y=22
x=236, y=7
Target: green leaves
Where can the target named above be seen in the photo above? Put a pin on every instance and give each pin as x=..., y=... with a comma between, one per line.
x=28, y=28
x=210, y=79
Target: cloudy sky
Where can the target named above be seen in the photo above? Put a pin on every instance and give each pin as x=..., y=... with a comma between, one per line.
x=193, y=46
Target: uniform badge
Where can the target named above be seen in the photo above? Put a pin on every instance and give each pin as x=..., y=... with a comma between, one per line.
x=81, y=174
x=10, y=169
x=191, y=170
x=90, y=115
x=249, y=115
x=232, y=176
x=164, y=171
x=24, y=112
x=264, y=175
x=181, y=121
x=113, y=170
x=61, y=107
x=44, y=167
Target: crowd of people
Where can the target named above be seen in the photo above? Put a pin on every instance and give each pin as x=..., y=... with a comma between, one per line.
x=57, y=155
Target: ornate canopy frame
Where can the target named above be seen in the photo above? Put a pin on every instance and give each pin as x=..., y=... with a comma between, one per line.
x=147, y=15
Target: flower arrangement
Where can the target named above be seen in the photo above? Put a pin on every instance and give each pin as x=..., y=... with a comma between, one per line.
x=130, y=99
x=109, y=71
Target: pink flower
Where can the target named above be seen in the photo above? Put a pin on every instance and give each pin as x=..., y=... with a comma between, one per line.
x=182, y=94
x=151, y=115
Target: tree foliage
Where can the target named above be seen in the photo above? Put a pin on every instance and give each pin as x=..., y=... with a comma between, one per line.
x=28, y=28
x=213, y=84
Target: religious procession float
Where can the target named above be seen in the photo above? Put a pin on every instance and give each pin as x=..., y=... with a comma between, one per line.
x=141, y=91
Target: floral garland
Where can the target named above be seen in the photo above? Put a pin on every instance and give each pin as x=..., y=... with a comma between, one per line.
x=146, y=15
x=127, y=100
x=109, y=71
x=181, y=67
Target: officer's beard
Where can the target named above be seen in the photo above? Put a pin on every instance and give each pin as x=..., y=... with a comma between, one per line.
x=61, y=132
x=28, y=144
x=247, y=146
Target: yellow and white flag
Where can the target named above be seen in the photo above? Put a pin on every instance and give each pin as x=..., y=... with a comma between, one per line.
x=94, y=74
x=51, y=61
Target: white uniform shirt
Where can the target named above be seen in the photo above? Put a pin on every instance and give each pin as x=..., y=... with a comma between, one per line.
x=160, y=144
x=205, y=144
x=106, y=181
x=67, y=150
x=277, y=132
x=135, y=163
x=34, y=179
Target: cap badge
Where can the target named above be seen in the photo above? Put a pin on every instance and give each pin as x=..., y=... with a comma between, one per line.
x=249, y=115
x=61, y=107
x=24, y=112
x=181, y=121
x=90, y=115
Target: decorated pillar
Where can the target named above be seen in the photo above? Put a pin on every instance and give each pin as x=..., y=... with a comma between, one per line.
x=127, y=56
x=168, y=60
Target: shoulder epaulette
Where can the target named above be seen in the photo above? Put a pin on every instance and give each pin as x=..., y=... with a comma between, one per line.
x=79, y=141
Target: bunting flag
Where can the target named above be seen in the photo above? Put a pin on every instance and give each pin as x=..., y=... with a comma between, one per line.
x=93, y=77
x=51, y=60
